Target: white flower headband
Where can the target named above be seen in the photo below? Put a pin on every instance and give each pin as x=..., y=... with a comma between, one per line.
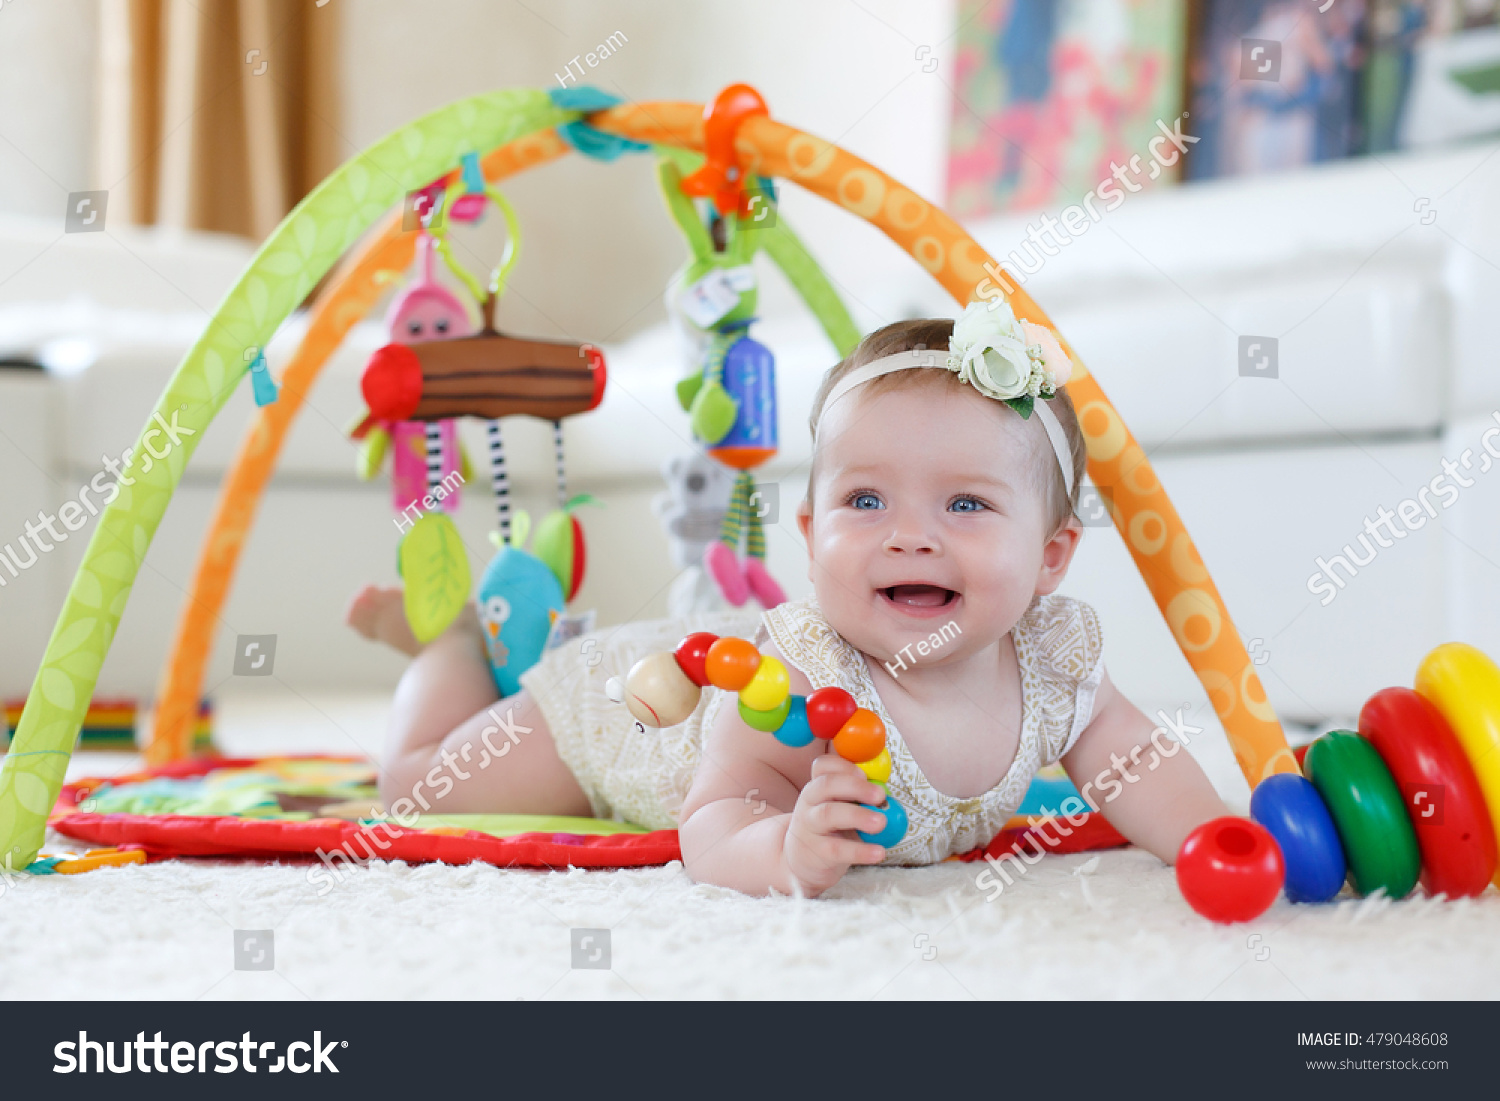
x=1003, y=358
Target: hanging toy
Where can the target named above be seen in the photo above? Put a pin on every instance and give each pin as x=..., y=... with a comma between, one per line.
x=519, y=600
x=559, y=537
x=731, y=401
x=424, y=311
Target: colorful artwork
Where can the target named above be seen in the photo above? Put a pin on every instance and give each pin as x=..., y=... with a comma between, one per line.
x=1275, y=85
x=1434, y=72
x=1050, y=95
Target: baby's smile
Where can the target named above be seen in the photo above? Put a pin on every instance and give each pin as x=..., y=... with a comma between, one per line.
x=919, y=599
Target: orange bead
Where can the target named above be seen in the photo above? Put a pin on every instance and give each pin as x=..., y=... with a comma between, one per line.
x=731, y=663
x=861, y=738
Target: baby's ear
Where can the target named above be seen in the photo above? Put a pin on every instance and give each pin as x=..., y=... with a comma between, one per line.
x=1057, y=556
x=804, y=525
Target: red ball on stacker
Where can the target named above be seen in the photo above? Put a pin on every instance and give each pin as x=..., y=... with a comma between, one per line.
x=1230, y=869
x=828, y=709
x=692, y=653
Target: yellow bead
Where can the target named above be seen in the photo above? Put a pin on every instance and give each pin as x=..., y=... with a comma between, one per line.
x=878, y=769
x=769, y=688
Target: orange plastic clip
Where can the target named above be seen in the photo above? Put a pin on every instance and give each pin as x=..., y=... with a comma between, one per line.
x=722, y=179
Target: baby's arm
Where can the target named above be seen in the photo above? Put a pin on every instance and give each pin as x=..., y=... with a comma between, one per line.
x=1153, y=799
x=763, y=815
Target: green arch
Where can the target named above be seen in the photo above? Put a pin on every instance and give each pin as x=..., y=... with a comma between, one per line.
x=291, y=261
x=302, y=249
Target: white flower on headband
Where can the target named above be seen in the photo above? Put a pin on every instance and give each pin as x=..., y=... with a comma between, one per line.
x=1003, y=358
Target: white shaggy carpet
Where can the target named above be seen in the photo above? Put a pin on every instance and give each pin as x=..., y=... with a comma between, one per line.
x=1108, y=925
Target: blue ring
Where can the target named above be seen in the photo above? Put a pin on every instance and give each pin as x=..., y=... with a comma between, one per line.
x=1290, y=808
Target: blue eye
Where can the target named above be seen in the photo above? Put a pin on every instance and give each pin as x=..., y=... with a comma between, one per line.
x=865, y=501
x=966, y=504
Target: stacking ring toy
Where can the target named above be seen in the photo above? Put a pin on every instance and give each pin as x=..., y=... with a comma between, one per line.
x=1368, y=809
x=1465, y=686
x=1438, y=788
x=663, y=689
x=1289, y=807
x=1229, y=869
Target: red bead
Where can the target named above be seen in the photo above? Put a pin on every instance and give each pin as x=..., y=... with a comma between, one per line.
x=392, y=382
x=692, y=652
x=828, y=709
x=1230, y=869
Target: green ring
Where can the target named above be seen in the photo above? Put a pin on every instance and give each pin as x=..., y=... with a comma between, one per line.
x=767, y=721
x=1369, y=812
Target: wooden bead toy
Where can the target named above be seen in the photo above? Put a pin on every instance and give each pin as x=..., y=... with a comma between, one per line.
x=878, y=769
x=795, y=732
x=731, y=664
x=768, y=688
x=860, y=739
x=828, y=709
x=768, y=721
x=692, y=655
x=658, y=693
x=663, y=689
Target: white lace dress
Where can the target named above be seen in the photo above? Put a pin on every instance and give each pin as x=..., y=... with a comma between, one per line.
x=643, y=776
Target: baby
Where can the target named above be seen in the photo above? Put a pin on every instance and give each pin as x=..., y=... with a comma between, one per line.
x=935, y=514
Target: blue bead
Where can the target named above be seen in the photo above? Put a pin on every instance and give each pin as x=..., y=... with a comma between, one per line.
x=1292, y=810
x=895, y=825
x=795, y=732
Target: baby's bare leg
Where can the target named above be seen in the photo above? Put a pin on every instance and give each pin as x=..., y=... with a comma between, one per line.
x=455, y=745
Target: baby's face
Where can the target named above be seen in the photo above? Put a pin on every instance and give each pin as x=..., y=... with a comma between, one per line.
x=926, y=511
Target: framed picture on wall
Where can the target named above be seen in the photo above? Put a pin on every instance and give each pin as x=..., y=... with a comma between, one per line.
x=1050, y=94
x=1274, y=84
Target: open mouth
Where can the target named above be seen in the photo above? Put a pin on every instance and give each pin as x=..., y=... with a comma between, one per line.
x=919, y=597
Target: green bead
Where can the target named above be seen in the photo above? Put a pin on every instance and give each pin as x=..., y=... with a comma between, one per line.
x=768, y=721
x=1369, y=812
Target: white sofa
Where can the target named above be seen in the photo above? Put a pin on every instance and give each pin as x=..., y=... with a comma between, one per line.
x=1386, y=330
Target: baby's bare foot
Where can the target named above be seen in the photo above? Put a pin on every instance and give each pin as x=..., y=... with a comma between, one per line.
x=380, y=616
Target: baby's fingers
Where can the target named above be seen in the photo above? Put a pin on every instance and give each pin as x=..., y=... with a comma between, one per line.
x=833, y=851
x=840, y=780
x=836, y=815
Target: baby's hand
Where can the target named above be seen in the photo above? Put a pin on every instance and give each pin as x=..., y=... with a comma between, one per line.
x=820, y=843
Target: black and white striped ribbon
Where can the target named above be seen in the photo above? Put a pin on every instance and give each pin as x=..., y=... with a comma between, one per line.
x=434, y=457
x=499, y=480
x=562, y=470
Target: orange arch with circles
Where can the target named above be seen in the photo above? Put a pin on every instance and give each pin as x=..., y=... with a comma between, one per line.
x=1155, y=535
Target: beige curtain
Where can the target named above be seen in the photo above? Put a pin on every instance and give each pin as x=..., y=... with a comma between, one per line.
x=216, y=114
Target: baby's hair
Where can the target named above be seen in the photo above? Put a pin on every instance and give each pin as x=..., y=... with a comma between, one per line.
x=934, y=333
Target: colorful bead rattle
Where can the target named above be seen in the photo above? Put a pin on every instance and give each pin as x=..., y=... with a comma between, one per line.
x=663, y=689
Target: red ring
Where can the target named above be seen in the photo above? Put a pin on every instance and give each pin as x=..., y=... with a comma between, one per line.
x=1438, y=787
